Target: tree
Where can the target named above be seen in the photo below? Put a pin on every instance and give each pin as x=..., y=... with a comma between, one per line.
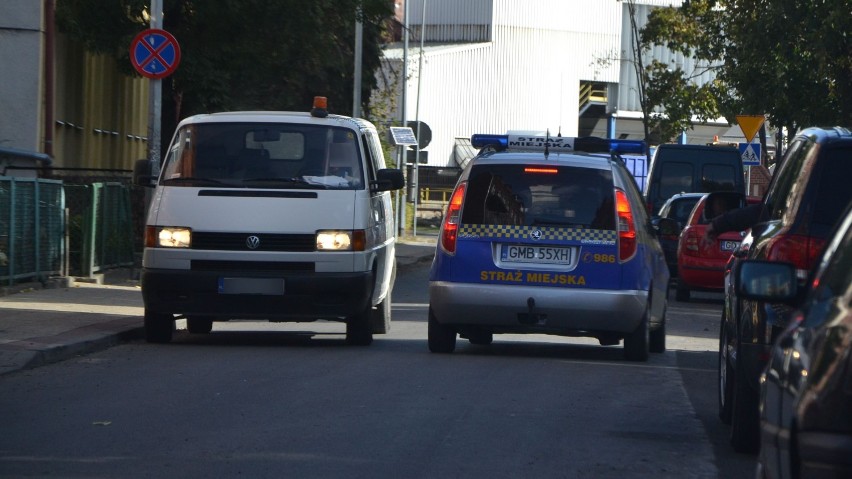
x=242, y=54
x=678, y=95
x=788, y=59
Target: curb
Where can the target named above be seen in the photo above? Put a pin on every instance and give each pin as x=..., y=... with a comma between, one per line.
x=35, y=352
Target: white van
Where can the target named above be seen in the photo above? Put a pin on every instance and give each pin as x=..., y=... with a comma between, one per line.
x=282, y=216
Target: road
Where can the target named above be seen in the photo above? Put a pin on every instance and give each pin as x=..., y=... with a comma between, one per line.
x=292, y=400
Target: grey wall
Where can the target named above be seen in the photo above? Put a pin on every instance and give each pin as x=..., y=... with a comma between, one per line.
x=21, y=37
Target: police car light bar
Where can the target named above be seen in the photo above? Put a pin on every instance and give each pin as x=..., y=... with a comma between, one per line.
x=542, y=141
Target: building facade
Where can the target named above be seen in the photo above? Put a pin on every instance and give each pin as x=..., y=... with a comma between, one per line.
x=59, y=100
x=488, y=66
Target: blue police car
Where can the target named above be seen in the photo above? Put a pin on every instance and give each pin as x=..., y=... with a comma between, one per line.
x=549, y=235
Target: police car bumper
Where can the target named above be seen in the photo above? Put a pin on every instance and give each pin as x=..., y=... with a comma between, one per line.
x=537, y=309
x=275, y=296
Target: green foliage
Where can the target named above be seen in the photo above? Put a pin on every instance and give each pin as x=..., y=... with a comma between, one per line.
x=789, y=59
x=243, y=54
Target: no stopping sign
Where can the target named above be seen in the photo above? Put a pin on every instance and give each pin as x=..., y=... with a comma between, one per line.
x=154, y=53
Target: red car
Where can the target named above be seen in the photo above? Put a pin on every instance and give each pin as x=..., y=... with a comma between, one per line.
x=701, y=267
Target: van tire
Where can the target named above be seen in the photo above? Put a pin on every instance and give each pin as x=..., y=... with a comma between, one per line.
x=380, y=317
x=196, y=325
x=658, y=337
x=442, y=339
x=359, y=328
x=159, y=327
x=636, y=343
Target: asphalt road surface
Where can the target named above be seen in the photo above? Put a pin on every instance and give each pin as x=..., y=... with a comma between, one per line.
x=258, y=399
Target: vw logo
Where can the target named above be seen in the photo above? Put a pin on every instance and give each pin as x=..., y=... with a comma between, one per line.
x=535, y=234
x=252, y=242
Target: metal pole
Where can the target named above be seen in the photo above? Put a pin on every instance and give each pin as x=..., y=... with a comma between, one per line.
x=155, y=109
x=401, y=200
x=359, y=51
x=417, y=119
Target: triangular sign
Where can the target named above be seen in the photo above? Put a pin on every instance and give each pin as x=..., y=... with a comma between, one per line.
x=750, y=124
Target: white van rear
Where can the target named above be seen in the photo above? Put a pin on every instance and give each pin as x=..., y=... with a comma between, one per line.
x=282, y=216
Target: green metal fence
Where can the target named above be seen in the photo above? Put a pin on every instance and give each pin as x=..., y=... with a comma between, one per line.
x=49, y=228
x=32, y=229
x=100, y=227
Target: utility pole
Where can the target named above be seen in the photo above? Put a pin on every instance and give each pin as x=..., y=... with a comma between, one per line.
x=401, y=200
x=359, y=53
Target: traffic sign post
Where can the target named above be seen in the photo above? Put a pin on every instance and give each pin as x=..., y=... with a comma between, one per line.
x=750, y=153
x=403, y=136
x=155, y=53
x=750, y=124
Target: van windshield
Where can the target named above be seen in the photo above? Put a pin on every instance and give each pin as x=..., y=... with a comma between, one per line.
x=264, y=155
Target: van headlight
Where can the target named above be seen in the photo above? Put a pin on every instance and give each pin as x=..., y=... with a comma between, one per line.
x=341, y=240
x=168, y=237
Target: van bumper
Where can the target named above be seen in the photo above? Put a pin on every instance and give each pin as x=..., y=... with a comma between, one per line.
x=305, y=296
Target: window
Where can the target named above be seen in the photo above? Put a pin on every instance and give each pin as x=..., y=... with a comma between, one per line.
x=718, y=177
x=675, y=177
x=557, y=196
x=263, y=155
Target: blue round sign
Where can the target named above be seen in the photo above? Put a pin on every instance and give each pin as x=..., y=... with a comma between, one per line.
x=154, y=53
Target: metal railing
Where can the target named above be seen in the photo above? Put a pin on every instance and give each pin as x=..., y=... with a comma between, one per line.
x=32, y=229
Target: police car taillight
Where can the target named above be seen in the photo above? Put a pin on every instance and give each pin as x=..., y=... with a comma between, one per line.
x=546, y=171
x=626, y=227
x=450, y=227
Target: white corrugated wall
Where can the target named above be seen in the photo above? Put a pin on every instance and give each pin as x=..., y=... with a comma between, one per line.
x=628, y=97
x=526, y=78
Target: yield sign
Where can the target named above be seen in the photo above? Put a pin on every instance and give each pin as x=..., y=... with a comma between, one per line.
x=154, y=53
x=749, y=124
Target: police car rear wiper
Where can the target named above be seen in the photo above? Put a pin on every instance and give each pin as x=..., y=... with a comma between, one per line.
x=551, y=222
x=193, y=179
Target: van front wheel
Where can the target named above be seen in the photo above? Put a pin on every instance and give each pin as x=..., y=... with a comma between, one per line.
x=159, y=327
x=359, y=328
x=381, y=316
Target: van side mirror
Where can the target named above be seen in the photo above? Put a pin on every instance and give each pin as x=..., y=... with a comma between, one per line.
x=143, y=174
x=388, y=179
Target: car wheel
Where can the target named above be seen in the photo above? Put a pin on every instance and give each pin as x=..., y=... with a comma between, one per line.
x=636, y=343
x=745, y=424
x=159, y=327
x=442, y=339
x=380, y=317
x=725, y=376
x=658, y=336
x=682, y=293
x=359, y=328
x=196, y=325
x=481, y=338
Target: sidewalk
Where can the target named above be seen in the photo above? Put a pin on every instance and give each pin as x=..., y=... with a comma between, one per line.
x=43, y=324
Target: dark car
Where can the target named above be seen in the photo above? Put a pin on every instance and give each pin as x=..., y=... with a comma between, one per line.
x=679, y=168
x=678, y=208
x=550, y=241
x=806, y=198
x=806, y=388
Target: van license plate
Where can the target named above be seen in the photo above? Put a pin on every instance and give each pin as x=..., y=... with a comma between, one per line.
x=729, y=245
x=264, y=286
x=536, y=254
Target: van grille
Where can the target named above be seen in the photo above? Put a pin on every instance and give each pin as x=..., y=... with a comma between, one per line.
x=240, y=242
x=251, y=266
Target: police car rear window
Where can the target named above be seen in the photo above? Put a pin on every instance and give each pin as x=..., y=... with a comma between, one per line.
x=540, y=195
